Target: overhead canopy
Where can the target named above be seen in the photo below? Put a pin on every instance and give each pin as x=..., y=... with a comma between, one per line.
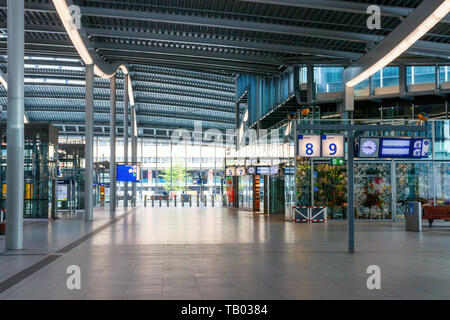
x=183, y=55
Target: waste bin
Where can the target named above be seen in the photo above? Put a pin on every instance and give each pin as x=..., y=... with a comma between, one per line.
x=413, y=217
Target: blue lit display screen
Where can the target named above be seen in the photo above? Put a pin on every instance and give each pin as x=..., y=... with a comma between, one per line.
x=395, y=148
x=127, y=172
x=289, y=170
x=263, y=171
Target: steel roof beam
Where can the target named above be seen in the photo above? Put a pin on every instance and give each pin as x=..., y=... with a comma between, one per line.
x=253, y=45
x=155, y=115
x=63, y=47
x=235, y=24
x=186, y=62
x=200, y=53
x=342, y=6
x=142, y=125
x=225, y=23
x=138, y=101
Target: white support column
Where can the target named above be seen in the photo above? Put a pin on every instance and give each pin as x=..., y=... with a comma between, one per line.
x=125, y=135
x=15, y=125
x=89, y=145
x=133, y=151
x=112, y=146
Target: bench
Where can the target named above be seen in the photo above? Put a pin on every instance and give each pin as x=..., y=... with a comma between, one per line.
x=431, y=213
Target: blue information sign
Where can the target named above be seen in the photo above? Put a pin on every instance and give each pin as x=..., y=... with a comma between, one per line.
x=127, y=172
x=389, y=147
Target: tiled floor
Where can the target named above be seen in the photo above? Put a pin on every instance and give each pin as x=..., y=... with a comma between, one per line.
x=215, y=253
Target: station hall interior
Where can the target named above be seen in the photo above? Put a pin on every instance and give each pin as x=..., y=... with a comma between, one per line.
x=224, y=149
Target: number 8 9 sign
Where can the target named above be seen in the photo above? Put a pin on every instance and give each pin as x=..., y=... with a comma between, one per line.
x=309, y=146
x=333, y=146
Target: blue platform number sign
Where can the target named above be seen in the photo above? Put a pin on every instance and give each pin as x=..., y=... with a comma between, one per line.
x=333, y=146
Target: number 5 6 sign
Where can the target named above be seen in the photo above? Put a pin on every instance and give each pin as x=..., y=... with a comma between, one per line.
x=315, y=146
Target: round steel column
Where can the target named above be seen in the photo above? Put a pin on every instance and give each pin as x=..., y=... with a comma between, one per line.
x=15, y=126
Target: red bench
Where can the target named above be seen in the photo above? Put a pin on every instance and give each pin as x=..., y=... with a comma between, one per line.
x=431, y=213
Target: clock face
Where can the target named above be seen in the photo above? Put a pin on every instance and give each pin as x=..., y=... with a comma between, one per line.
x=251, y=170
x=369, y=147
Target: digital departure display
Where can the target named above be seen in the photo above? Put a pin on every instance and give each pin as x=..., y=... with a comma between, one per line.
x=263, y=171
x=128, y=172
x=395, y=148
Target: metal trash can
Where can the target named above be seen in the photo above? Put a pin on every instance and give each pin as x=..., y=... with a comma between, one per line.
x=413, y=217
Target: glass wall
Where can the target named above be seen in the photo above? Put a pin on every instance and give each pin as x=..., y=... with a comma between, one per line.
x=420, y=74
x=444, y=73
x=328, y=79
x=386, y=77
x=168, y=168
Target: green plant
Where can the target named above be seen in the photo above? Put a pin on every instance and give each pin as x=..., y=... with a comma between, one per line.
x=176, y=179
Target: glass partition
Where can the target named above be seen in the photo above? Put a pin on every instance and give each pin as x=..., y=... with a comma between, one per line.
x=414, y=183
x=373, y=190
x=330, y=188
x=442, y=182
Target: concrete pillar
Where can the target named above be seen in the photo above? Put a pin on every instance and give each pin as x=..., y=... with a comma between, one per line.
x=112, y=146
x=89, y=144
x=15, y=126
x=125, y=135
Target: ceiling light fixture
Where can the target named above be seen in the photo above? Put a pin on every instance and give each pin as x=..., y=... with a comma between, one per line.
x=74, y=35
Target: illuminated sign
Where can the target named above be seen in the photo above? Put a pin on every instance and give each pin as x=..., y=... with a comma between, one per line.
x=421, y=148
x=263, y=171
x=389, y=147
x=273, y=170
x=230, y=171
x=128, y=172
x=289, y=170
x=333, y=146
x=251, y=171
x=309, y=146
x=395, y=148
x=240, y=171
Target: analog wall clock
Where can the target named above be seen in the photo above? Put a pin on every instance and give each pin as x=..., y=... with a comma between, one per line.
x=368, y=147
